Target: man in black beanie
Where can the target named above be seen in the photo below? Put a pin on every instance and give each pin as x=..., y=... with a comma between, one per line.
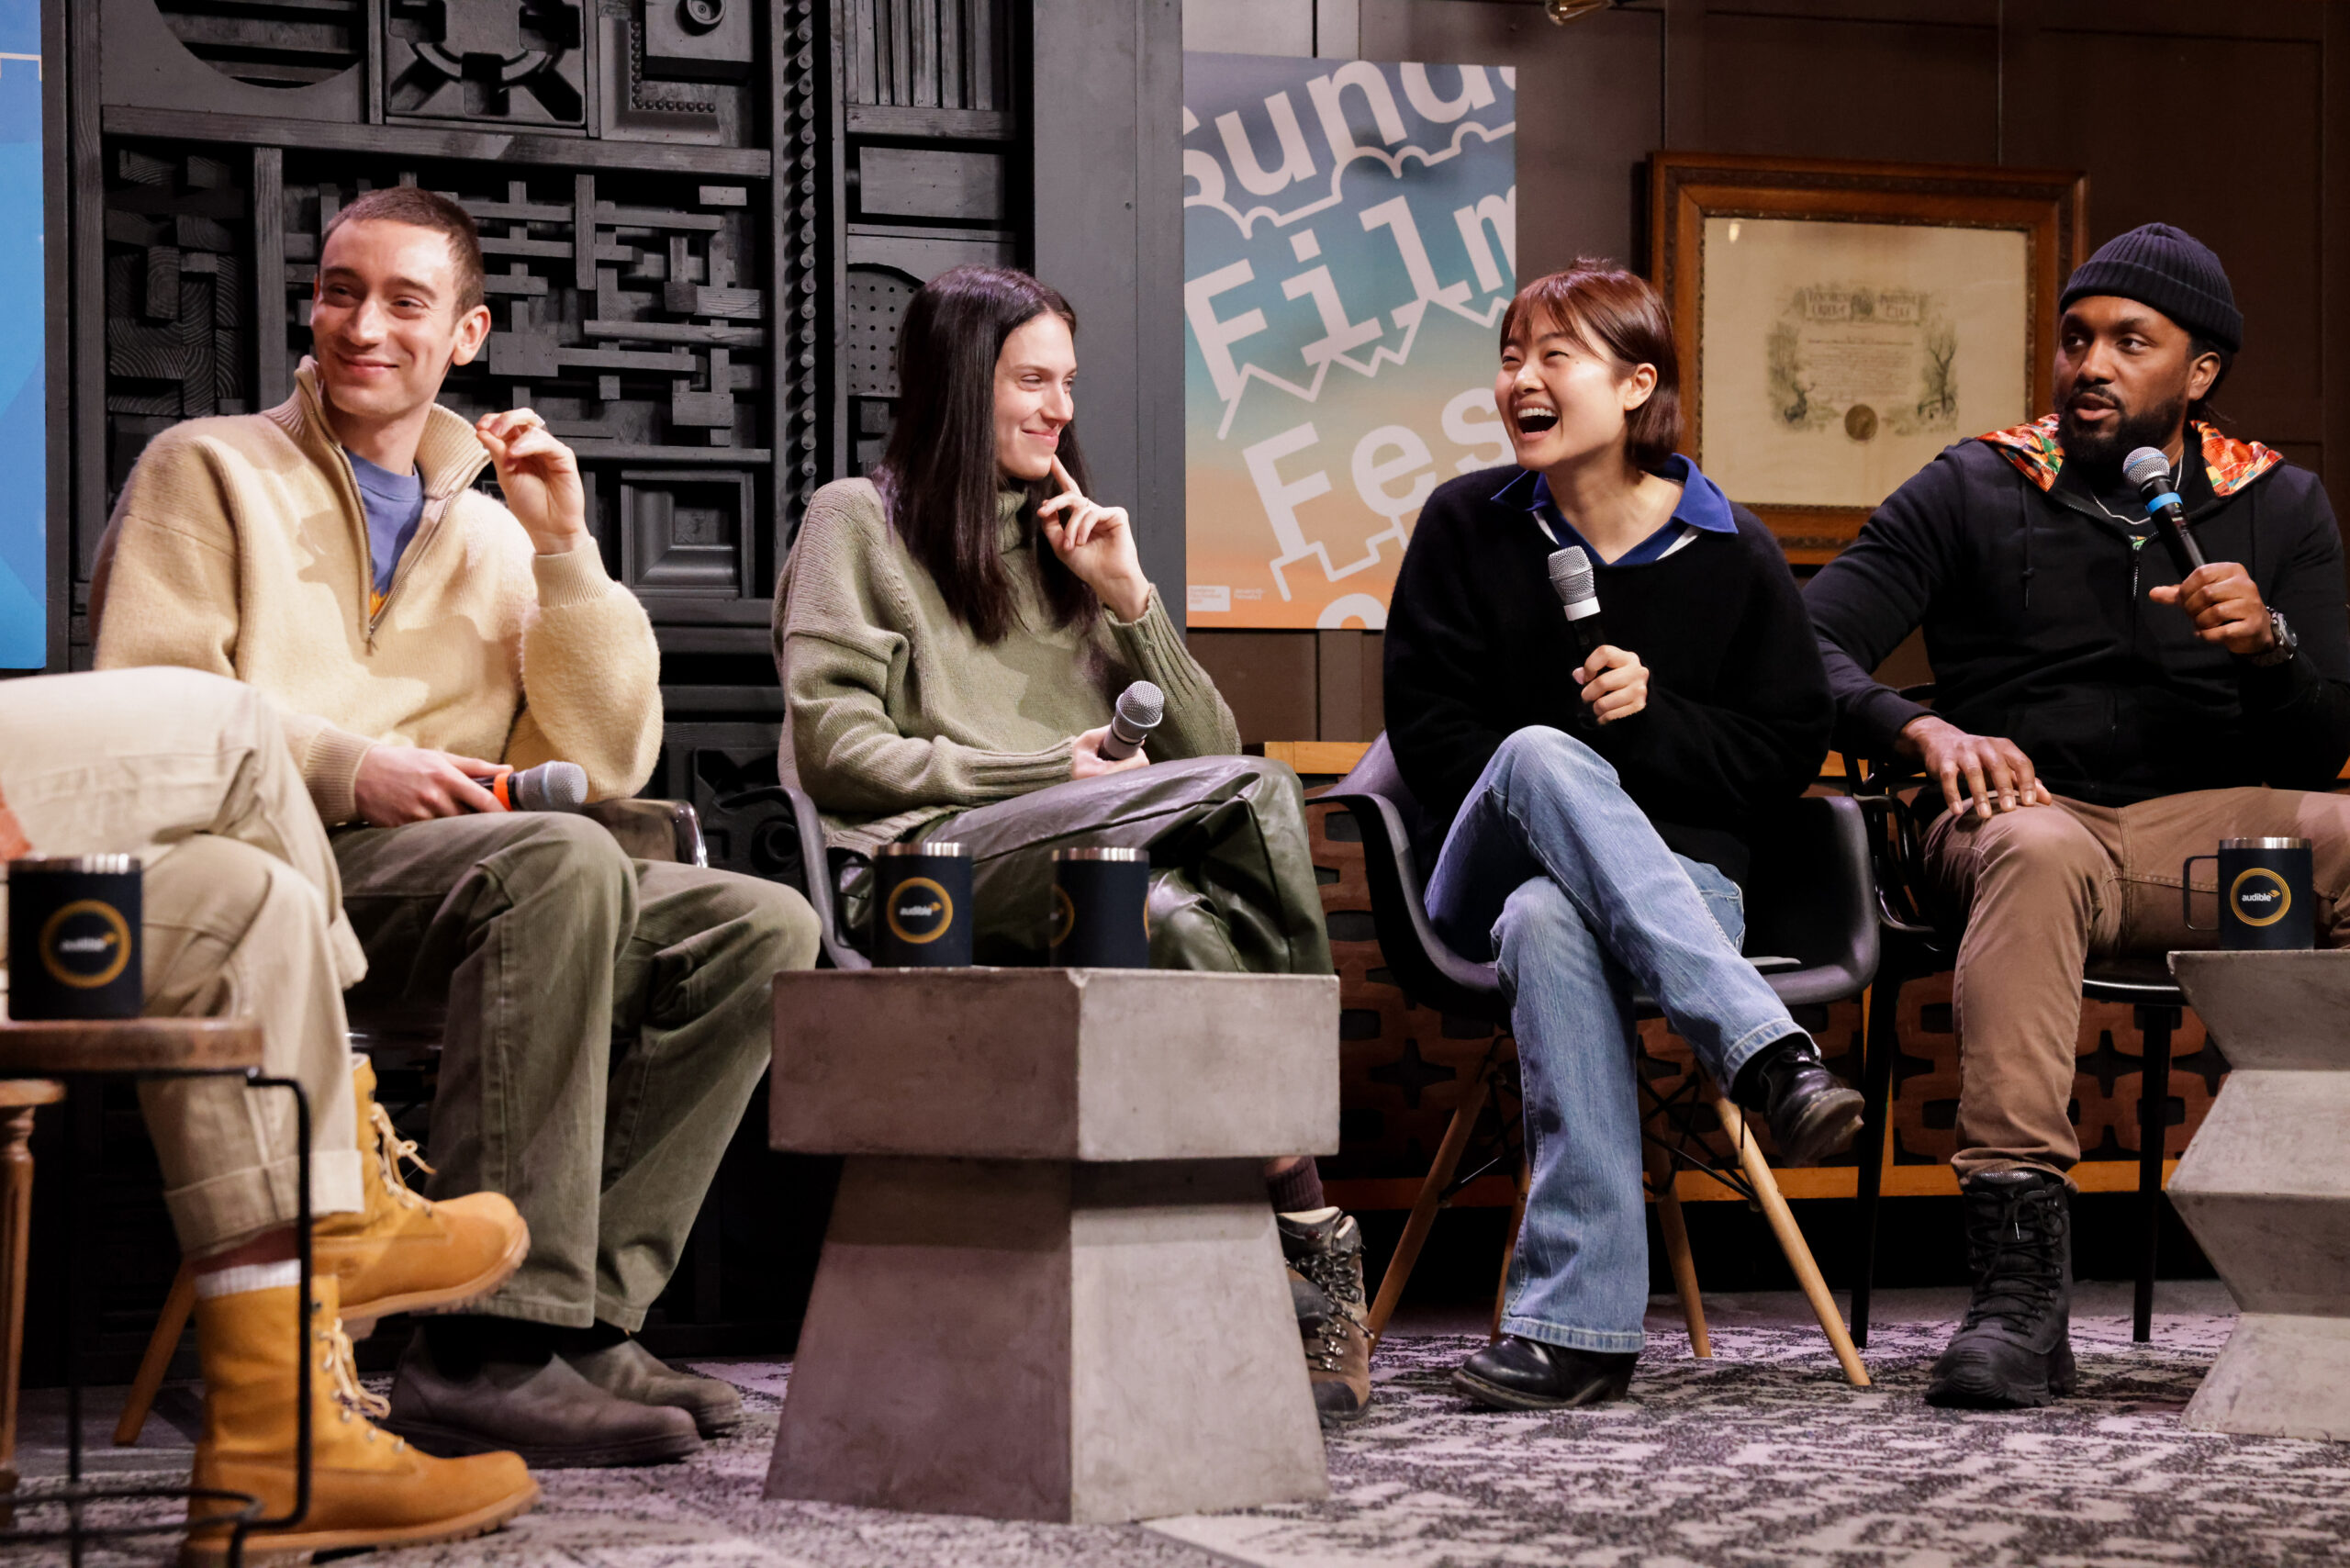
x=2096, y=720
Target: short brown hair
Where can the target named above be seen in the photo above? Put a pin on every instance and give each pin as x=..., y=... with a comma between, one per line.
x=1615, y=313
x=421, y=208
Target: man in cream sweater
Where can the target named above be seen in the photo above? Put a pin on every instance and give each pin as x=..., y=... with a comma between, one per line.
x=606, y=1018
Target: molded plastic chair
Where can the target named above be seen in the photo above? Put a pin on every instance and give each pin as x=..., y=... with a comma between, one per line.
x=1812, y=899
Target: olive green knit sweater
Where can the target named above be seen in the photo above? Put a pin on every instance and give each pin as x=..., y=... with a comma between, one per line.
x=895, y=715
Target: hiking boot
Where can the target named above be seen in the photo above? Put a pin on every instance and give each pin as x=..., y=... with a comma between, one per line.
x=626, y=1370
x=1512, y=1374
x=538, y=1405
x=1324, y=1248
x=1812, y=1113
x=2014, y=1349
x=367, y=1487
x=1305, y=1299
x=403, y=1252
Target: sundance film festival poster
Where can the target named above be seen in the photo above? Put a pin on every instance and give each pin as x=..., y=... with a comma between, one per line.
x=1350, y=243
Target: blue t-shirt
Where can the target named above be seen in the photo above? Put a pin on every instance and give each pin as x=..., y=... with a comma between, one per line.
x=395, y=504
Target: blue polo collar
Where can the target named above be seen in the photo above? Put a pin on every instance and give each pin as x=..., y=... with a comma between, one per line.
x=1702, y=506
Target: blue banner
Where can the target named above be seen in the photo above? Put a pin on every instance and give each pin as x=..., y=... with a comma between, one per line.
x=24, y=402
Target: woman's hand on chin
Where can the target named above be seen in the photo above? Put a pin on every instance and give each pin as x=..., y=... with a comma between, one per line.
x=1086, y=761
x=1097, y=543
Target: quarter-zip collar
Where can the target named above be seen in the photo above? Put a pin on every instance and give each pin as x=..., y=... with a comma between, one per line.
x=449, y=458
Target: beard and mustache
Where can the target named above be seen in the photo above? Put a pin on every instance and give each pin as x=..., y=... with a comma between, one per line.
x=2100, y=452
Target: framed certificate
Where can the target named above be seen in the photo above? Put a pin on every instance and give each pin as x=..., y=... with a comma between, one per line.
x=1840, y=323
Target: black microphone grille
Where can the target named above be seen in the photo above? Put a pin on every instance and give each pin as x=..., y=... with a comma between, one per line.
x=1570, y=575
x=2145, y=466
x=1142, y=705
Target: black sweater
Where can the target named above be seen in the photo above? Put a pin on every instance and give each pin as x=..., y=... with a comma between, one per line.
x=1477, y=648
x=2039, y=628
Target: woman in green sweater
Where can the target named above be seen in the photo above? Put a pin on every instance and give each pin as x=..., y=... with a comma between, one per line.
x=951, y=635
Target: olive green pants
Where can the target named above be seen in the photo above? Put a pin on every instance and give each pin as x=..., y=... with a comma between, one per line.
x=608, y=1019
x=1232, y=884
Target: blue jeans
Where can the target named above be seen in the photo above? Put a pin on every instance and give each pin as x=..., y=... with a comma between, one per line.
x=1551, y=869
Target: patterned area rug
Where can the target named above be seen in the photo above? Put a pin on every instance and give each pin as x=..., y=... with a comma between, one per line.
x=1761, y=1458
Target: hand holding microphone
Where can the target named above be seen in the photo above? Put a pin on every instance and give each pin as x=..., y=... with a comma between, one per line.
x=1614, y=682
x=1117, y=745
x=2219, y=596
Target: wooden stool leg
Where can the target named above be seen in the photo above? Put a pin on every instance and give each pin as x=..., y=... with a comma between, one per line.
x=158, y=1359
x=1676, y=1251
x=15, y=1232
x=1509, y=1249
x=1791, y=1242
x=1416, y=1229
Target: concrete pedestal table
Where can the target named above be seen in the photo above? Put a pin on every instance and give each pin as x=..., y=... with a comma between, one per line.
x=2266, y=1191
x=1052, y=1288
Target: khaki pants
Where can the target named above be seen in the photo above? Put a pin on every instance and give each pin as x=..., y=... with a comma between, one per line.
x=608, y=1018
x=2042, y=890
x=190, y=773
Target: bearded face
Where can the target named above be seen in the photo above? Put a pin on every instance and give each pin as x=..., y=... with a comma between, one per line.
x=2125, y=376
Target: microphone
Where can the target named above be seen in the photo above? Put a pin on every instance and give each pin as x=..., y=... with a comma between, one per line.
x=1140, y=707
x=1571, y=580
x=549, y=786
x=2149, y=470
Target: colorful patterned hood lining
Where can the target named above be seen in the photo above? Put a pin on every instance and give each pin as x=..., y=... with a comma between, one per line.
x=2039, y=456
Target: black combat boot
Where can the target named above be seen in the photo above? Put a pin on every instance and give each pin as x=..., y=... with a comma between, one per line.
x=1323, y=1247
x=2015, y=1349
x=1812, y=1113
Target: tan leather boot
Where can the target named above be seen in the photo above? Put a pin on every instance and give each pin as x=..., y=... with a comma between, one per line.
x=404, y=1252
x=367, y=1487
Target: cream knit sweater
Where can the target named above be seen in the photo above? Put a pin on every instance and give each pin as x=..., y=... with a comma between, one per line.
x=239, y=547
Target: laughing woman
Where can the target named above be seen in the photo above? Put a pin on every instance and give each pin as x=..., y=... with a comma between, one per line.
x=1599, y=810
x=951, y=635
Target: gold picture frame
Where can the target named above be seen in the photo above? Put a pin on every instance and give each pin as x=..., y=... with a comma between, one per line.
x=1839, y=322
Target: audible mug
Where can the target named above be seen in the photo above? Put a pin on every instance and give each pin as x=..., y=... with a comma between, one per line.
x=73, y=936
x=922, y=906
x=1098, y=898
x=2268, y=893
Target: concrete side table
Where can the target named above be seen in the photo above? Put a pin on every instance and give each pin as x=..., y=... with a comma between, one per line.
x=1052, y=1288
x=2265, y=1190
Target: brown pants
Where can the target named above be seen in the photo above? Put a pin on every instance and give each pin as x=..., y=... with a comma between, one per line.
x=2042, y=889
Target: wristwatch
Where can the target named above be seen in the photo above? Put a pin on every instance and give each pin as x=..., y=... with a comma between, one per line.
x=2285, y=647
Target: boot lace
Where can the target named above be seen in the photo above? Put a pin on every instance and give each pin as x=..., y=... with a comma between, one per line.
x=342, y=1367
x=2017, y=1263
x=391, y=1150
x=1329, y=1269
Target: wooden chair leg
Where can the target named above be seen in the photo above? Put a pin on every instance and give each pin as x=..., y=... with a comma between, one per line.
x=1509, y=1249
x=1676, y=1251
x=1416, y=1229
x=1791, y=1242
x=169, y=1325
x=18, y=1100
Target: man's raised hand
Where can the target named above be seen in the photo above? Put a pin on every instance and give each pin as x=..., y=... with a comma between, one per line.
x=2225, y=607
x=539, y=477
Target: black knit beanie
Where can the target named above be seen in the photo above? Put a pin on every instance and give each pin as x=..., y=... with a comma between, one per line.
x=2170, y=269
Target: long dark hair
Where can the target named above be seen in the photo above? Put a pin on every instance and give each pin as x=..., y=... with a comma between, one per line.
x=939, y=478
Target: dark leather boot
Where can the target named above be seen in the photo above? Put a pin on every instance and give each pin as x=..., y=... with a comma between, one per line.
x=542, y=1409
x=626, y=1370
x=1512, y=1373
x=2014, y=1349
x=1325, y=1248
x=1812, y=1113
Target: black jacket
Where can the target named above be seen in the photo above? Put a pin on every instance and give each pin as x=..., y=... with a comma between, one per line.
x=1477, y=648
x=2038, y=627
